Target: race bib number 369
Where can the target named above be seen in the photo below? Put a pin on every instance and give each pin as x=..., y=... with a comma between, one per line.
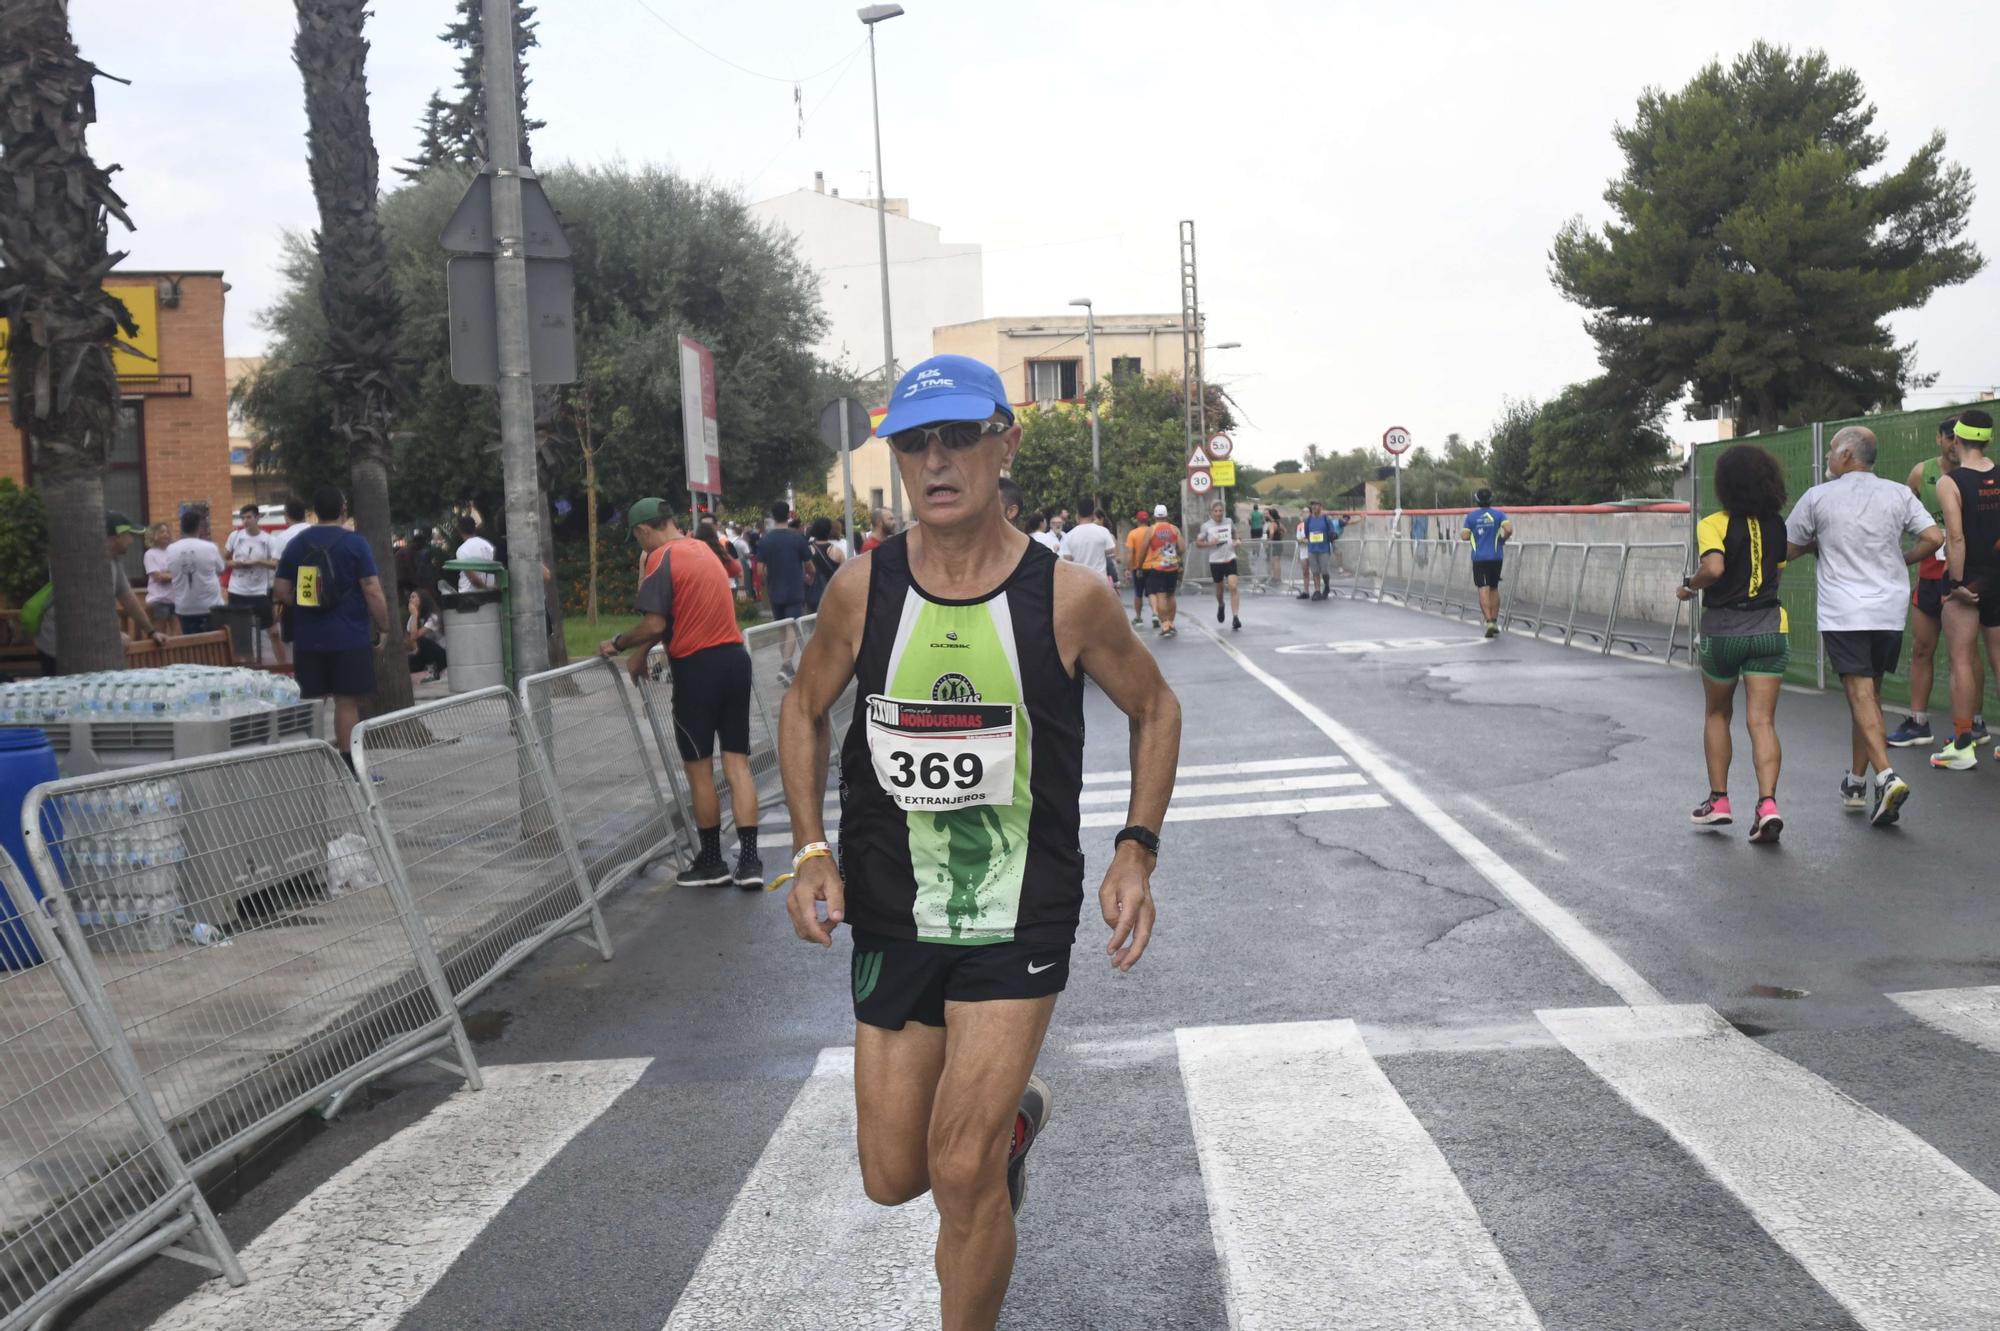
x=935, y=756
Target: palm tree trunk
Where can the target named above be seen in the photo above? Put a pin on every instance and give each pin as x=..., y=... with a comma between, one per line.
x=55, y=205
x=370, y=479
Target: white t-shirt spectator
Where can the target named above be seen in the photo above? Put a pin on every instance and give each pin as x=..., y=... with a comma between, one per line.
x=157, y=592
x=1222, y=535
x=1859, y=521
x=474, y=547
x=1050, y=539
x=197, y=568
x=282, y=539
x=245, y=544
x=1087, y=544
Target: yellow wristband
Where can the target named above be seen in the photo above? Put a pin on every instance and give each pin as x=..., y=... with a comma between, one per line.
x=816, y=851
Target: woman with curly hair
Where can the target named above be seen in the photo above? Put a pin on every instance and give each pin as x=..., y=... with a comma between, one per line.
x=1743, y=627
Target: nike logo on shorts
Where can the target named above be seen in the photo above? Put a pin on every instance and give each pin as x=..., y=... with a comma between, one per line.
x=1033, y=969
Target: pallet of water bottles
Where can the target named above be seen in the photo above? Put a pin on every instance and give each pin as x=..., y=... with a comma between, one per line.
x=126, y=718
x=122, y=853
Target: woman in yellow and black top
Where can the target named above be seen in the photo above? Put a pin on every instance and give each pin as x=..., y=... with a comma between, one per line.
x=1743, y=627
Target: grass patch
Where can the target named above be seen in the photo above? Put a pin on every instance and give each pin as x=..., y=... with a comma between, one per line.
x=582, y=636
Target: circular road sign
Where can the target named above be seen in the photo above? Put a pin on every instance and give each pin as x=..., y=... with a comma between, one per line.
x=858, y=424
x=1221, y=446
x=1199, y=481
x=1396, y=439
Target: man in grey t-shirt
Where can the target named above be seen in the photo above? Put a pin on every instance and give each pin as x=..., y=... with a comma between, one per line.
x=1856, y=524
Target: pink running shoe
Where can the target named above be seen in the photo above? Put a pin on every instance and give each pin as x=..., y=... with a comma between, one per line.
x=1768, y=824
x=1713, y=812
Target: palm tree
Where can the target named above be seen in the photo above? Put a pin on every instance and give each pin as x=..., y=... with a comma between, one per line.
x=55, y=210
x=362, y=313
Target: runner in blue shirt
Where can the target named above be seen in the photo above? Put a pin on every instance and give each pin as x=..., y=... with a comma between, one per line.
x=1320, y=531
x=1488, y=529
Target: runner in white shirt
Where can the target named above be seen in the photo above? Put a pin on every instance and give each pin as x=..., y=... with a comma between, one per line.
x=197, y=568
x=252, y=562
x=1090, y=543
x=1039, y=533
x=1218, y=537
x=472, y=545
x=1856, y=524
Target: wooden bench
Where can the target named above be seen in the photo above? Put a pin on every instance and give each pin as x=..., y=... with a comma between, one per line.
x=212, y=648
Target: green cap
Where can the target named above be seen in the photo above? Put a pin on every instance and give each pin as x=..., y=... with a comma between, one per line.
x=117, y=524
x=648, y=511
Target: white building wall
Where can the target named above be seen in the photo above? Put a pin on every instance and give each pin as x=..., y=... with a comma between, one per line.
x=930, y=282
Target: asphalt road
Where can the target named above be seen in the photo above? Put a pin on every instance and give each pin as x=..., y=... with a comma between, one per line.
x=1487, y=1036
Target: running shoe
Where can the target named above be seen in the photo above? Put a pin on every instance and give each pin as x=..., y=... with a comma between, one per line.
x=749, y=871
x=1979, y=735
x=1037, y=1103
x=1138, y=621
x=1303, y=596
x=786, y=673
x=1712, y=812
x=1319, y=596
x=704, y=872
x=1169, y=631
x=1961, y=755
x=1766, y=827
x=1890, y=796
x=1234, y=623
x=1218, y=612
x=1492, y=629
x=1912, y=733
x=1853, y=791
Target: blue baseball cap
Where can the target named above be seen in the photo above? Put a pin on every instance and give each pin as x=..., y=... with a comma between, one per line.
x=944, y=388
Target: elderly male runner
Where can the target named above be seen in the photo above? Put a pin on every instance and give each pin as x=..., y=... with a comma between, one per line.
x=960, y=869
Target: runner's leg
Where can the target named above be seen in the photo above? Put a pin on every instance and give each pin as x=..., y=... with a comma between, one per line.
x=701, y=792
x=1720, y=698
x=1924, y=633
x=990, y=1048
x=1961, y=636
x=742, y=791
x=1235, y=597
x=1864, y=700
x=1761, y=693
x=895, y=1081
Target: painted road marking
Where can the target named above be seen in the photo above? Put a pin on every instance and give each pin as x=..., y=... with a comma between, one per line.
x=802, y=1248
x=1256, y=809
x=1329, y=1202
x=1319, y=762
x=1972, y=1015
x=1324, y=781
x=1592, y=952
x=1898, y=1233
x=1352, y=646
x=355, y=1256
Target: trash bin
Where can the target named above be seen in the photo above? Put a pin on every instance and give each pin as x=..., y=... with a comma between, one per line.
x=26, y=761
x=245, y=641
x=477, y=630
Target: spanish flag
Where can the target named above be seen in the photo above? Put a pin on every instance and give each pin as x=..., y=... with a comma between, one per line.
x=875, y=415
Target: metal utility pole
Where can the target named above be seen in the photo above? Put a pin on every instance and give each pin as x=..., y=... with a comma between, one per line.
x=871, y=15
x=1193, y=387
x=521, y=482
x=1090, y=340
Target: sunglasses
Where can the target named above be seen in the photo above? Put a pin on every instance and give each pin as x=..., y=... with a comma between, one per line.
x=954, y=435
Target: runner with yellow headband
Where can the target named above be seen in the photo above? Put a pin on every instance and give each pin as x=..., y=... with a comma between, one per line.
x=1971, y=504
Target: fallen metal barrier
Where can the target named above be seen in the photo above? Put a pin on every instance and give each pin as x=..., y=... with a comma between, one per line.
x=609, y=777
x=467, y=807
x=90, y=1181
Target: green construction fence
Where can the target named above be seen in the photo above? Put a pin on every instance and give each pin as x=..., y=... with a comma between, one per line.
x=1904, y=439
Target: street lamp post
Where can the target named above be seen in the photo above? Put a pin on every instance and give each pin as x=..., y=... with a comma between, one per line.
x=1090, y=340
x=871, y=15
x=1228, y=509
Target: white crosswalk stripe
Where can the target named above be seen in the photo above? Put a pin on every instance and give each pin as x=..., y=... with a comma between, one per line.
x=1899, y=1234
x=802, y=1248
x=1208, y=790
x=337, y=1260
x=1325, y=1193
x=1973, y=1015
x=1191, y=813
x=1314, y=763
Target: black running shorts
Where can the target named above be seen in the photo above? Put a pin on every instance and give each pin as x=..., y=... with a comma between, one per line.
x=349, y=673
x=1928, y=596
x=711, y=700
x=1163, y=581
x=259, y=607
x=1871, y=652
x=900, y=980
x=1986, y=585
x=1486, y=572
x=1224, y=569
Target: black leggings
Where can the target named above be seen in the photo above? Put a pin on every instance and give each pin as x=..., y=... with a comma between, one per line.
x=426, y=654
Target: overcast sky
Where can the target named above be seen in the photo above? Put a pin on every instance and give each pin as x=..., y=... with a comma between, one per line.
x=1374, y=188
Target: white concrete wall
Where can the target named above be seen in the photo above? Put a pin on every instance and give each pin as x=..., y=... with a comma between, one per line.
x=930, y=282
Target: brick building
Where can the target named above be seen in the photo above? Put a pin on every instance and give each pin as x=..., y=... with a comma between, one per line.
x=172, y=444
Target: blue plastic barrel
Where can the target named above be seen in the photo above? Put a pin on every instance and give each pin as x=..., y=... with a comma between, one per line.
x=26, y=761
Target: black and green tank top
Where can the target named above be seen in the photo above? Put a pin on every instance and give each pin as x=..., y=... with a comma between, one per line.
x=961, y=773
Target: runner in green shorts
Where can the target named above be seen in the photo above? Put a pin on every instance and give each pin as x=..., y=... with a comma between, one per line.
x=1743, y=628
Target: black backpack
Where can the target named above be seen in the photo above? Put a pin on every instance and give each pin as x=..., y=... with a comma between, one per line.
x=316, y=585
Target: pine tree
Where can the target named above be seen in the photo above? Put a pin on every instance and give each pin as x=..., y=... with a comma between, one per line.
x=454, y=129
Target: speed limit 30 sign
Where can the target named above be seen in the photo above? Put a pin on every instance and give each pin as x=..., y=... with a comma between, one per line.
x=1396, y=439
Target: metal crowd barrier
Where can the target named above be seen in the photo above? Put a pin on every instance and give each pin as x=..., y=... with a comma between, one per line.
x=774, y=656
x=468, y=809
x=242, y=925
x=1619, y=597
x=90, y=1181
x=609, y=777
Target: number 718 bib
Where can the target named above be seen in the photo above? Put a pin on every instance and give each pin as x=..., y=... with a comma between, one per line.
x=936, y=756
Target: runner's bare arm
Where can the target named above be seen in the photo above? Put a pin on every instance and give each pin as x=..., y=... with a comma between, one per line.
x=805, y=743
x=1093, y=637
x=1917, y=482
x=1954, y=526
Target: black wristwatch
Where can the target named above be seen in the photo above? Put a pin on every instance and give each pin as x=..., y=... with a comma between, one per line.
x=1148, y=839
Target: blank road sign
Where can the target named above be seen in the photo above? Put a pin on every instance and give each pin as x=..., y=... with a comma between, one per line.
x=475, y=339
